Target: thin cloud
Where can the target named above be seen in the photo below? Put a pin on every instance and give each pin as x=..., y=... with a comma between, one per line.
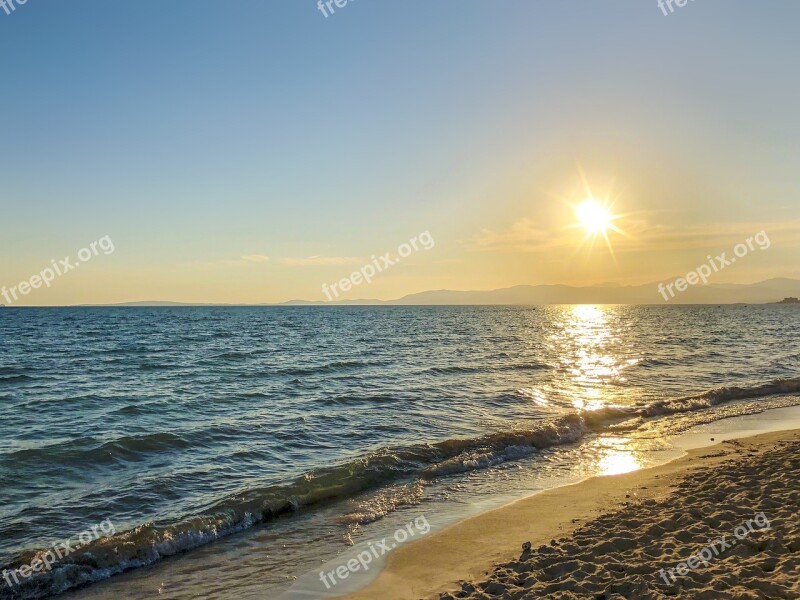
x=321, y=260
x=699, y=236
x=639, y=235
x=523, y=236
x=256, y=258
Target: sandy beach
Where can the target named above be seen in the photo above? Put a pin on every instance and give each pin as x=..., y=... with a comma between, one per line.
x=722, y=522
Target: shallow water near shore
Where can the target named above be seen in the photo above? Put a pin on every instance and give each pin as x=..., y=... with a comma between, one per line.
x=700, y=436
x=236, y=449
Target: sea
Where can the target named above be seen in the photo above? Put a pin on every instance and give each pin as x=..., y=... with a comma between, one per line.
x=233, y=452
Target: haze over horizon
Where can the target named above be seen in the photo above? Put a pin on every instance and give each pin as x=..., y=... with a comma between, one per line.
x=770, y=291
x=266, y=150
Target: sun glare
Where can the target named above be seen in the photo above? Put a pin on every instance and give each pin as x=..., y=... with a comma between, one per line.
x=594, y=217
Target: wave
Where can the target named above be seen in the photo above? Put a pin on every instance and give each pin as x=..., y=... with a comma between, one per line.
x=719, y=396
x=14, y=378
x=382, y=503
x=157, y=366
x=235, y=355
x=535, y=366
x=150, y=543
x=88, y=450
x=130, y=409
x=331, y=367
x=11, y=370
x=457, y=369
x=397, y=473
x=346, y=399
x=654, y=362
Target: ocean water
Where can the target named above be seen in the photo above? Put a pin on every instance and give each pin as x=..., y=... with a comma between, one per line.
x=235, y=449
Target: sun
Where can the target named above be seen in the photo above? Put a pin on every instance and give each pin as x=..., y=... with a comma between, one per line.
x=596, y=217
x=593, y=216
x=597, y=220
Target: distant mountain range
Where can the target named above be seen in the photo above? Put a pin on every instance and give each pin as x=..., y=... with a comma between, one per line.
x=769, y=291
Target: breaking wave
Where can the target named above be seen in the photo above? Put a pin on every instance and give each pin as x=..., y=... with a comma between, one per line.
x=397, y=473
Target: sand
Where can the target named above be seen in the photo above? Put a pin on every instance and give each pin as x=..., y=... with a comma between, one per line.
x=618, y=536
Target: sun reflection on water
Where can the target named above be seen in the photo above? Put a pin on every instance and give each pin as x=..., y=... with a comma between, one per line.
x=591, y=347
x=588, y=335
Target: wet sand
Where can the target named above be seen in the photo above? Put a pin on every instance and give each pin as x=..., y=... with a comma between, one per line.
x=611, y=537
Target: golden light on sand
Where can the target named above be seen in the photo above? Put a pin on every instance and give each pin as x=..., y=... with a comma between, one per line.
x=593, y=216
x=616, y=456
x=618, y=462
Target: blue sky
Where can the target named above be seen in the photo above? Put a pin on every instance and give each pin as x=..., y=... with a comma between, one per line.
x=196, y=133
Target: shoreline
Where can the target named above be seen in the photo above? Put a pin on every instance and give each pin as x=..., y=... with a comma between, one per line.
x=469, y=550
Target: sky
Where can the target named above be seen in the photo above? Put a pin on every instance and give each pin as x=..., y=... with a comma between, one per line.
x=254, y=151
